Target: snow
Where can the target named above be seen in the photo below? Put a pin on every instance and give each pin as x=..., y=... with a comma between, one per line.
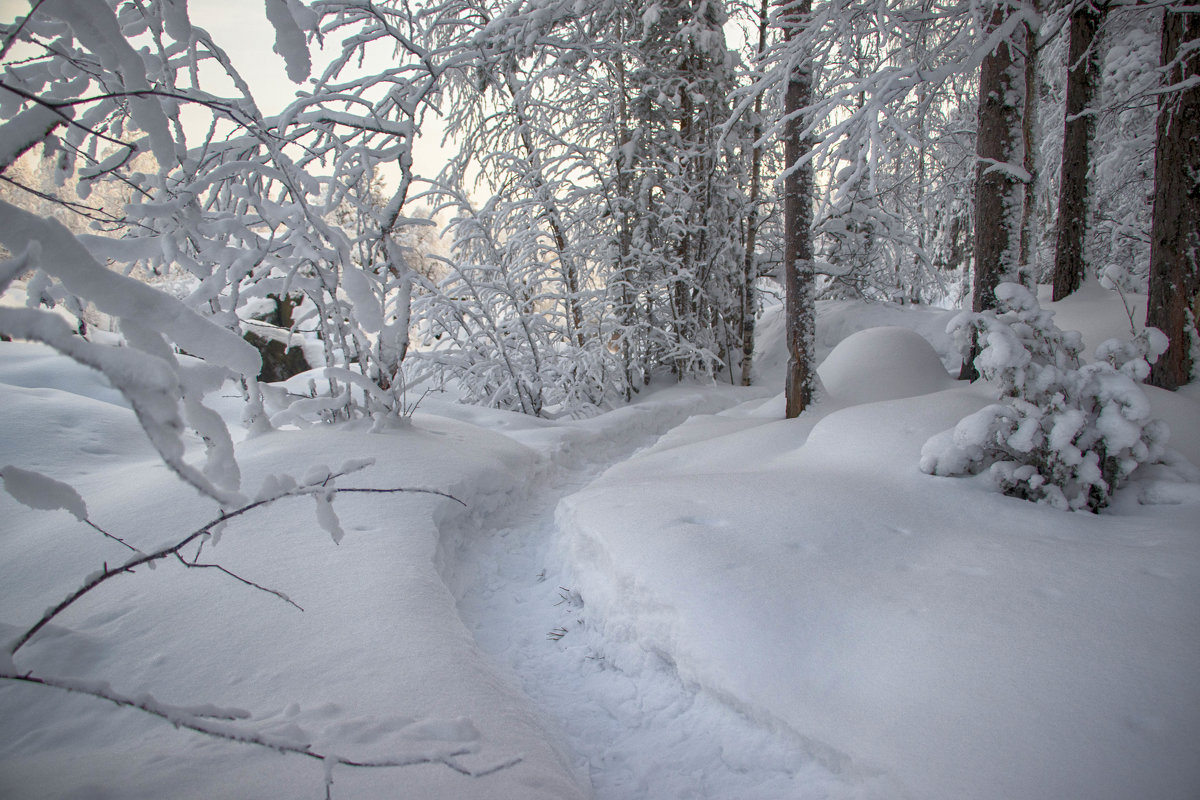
x=684, y=597
x=66, y=259
x=27, y=129
x=35, y=490
x=883, y=363
x=959, y=643
x=285, y=17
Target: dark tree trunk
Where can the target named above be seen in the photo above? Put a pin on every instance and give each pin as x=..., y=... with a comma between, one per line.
x=998, y=188
x=750, y=262
x=1174, y=302
x=1082, y=77
x=797, y=221
x=1028, y=257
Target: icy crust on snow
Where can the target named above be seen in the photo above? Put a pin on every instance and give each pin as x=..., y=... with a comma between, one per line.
x=378, y=665
x=912, y=630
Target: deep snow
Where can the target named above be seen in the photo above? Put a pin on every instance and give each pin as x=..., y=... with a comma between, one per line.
x=738, y=606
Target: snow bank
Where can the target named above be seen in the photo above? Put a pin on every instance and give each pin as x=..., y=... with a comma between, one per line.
x=377, y=664
x=960, y=643
x=922, y=637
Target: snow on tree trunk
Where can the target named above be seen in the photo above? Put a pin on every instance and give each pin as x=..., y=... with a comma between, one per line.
x=1175, y=235
x=797, y=216
x=999, y=174
x=1083, y=72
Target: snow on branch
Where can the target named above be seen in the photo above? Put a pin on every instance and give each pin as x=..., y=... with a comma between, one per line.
x=1015, y=171
x=216, y=722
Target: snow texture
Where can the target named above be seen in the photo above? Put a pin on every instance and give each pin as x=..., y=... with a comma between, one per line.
x=741, y=606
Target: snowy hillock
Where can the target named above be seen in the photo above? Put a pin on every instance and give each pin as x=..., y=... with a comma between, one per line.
x=884, y=363
x=838, y=319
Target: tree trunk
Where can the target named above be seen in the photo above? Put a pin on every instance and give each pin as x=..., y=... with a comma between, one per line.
x=1028, y=257
x=1174, y=303
x=750, y=264
x=998, y=185
x=799, y=306
x=1082, y=77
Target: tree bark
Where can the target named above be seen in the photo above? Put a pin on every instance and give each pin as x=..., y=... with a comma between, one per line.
x=1174, y=300
x=1029, y=123
x=999, y=190
x=799, y=306
x=750, y=262
x=1082, y=77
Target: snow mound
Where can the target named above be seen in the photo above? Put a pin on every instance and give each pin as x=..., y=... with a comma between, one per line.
x=886, y=363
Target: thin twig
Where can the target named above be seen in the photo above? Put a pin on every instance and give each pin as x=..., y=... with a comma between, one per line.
x=409, y=491
x=110, y=536
x=236, y=577
x=106, y=574
x=16, y=31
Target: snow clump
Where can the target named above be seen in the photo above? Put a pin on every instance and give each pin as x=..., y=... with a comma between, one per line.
x=1063, y=433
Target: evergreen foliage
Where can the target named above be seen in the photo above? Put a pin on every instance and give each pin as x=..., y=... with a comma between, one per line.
x=1064, y=432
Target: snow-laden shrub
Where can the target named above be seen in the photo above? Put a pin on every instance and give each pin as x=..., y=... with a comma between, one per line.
x=1064, y=432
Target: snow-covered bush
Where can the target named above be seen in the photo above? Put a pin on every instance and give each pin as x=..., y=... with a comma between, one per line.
x=1064, y=432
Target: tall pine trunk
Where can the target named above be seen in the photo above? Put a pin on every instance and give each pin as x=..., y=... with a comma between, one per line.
x=1083, y=73
x=1029, y=233
x=799, y=306
x=1174, y=303
x=999, y=190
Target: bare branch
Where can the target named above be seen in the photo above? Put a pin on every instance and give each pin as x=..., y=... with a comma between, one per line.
x=110, y=536
x=195, y=564
x=105, y=574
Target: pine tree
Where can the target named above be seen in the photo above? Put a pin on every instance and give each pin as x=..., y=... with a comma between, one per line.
x=798, y=275
x=1174, y=302
x=999, y=171
x=1083, y=63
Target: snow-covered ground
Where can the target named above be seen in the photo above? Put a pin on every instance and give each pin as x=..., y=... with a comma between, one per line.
x=688, y=597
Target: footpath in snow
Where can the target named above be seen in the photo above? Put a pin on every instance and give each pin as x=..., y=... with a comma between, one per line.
x=638, y=730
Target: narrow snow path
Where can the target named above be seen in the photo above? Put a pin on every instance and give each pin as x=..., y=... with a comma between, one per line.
x=633, y=733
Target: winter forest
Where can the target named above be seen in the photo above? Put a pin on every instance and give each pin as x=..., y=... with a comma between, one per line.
x=620, y=400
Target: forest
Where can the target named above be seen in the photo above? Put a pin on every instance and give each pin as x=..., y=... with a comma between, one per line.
x=748, y=400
